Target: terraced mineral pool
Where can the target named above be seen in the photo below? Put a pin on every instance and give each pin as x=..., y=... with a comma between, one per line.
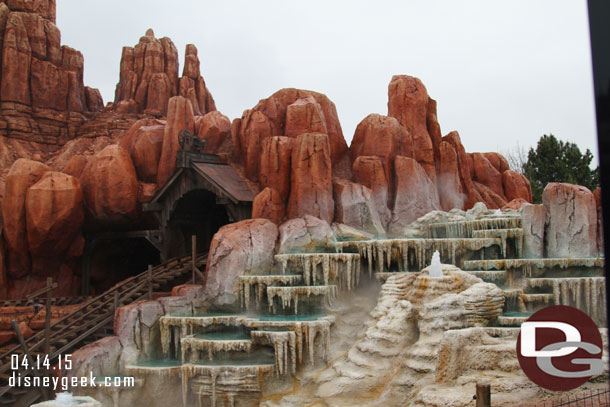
x=241, y=359
x=517, y=314
x=224, y=336
x=206, y=314
x=160, y=363
x=290, y=318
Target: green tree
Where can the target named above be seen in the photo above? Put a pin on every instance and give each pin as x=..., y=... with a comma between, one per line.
x=556, y=161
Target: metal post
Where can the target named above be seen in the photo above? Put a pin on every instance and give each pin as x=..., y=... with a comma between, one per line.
x=194, y=254
x=150, y=282
x=483, y=395
x=47, y=320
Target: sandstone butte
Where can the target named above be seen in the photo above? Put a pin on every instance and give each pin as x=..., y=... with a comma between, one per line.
x=60, y=144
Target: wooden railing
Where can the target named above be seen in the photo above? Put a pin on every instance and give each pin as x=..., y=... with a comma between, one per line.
x=92, y=317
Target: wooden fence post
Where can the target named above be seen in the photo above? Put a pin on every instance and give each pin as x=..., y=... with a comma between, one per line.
x=483, y=395
x=43, y=390
x=116, y=300
x=47, y=320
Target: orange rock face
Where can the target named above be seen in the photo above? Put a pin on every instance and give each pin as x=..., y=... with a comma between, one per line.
x=16, y=61
x=179, y=116
x=275, y=163
x=215, y=129
x=149, y=78
x=369, y=171
x=110, y=186
x=54, y=213
x=485, y=173
x=516, y=186
x=304, y=116
x=254, y=128
x=275, y=108
x=354, y=206
x=23, y=174
x=269, y=204
x=434, y=129
x=311, y=190
x=449, y=185
x=489, y=197
x=465, y=169
x=146, y=152
x=384, y=137
x=498, y=161
x=515, y=204
x=415, y=193
x=408, y=102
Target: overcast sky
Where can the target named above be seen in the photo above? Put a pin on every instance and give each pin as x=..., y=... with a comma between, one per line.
x=503, y=72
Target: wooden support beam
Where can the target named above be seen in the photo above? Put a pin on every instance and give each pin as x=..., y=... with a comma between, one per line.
x=41, y=291
x=483, y=395
x=43, y=390
x=47, y=320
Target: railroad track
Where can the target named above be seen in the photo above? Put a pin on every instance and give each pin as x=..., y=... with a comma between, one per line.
x=54, y=301
x=91, y=321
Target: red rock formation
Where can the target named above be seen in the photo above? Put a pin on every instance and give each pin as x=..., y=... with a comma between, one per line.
x=269, y=204
x=23, y=174
x=489, y=197
x=42, y=96
x=311, y=190
x=274, y=167
x=236, y=249
x=448, y=182
x=146, y=152
x=415, y=193
x=3, y=260
x=55, y=215
x=130, y=136
x=149, y=78
x=515, y=204
x=408, y=102
x=516, y=186
x=369, y=171
x=192, y=85
x=275, y=108
x=146, y=191
x=110, y=186
x=95, y=103
x=254, y=128
x=571, y=218
x=304, y=116
x=498, y=161
x=354, y=206
x=16, y=61
x=487, y=174
x=465, y=169
x=304, y=234
x=384, y=137
x=215, y=129
x=179, y=116
x=434, y=129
